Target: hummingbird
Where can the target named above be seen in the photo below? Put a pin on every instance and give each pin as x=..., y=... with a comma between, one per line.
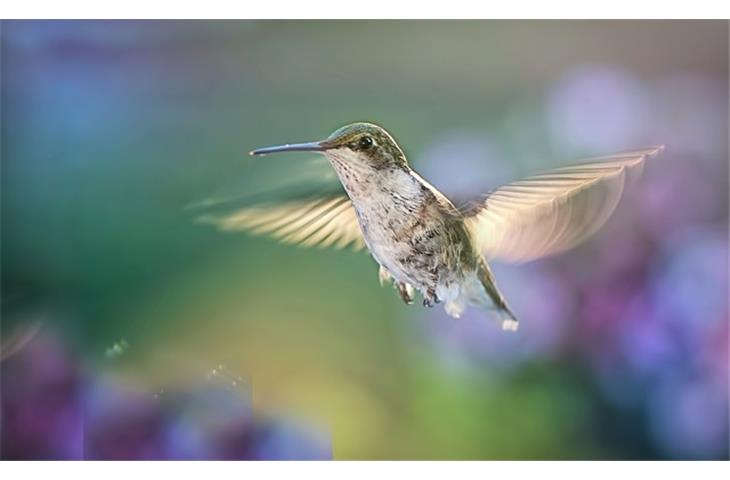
x=419, y=238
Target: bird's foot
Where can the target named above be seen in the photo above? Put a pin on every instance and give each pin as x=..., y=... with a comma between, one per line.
x=405, y=291
x=430, y=298
x=384, y=276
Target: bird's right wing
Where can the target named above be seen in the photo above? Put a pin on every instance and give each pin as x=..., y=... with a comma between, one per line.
x=324, y=221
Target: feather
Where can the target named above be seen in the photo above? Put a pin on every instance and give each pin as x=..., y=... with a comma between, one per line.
x=551, y=212
x=325, y=221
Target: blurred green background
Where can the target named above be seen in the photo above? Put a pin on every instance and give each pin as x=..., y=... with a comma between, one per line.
x=111, y=129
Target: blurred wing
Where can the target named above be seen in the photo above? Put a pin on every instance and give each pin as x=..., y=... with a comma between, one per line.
x=19, y=338
x=551, y=212
x=325, y=221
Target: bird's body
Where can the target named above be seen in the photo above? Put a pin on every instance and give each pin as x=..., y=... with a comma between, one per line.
x=420, y=239
x=417, y=236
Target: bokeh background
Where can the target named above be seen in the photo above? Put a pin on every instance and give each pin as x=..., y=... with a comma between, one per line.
x=160, y=338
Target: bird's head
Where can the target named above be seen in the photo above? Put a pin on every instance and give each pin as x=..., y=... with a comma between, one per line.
x=356, y=147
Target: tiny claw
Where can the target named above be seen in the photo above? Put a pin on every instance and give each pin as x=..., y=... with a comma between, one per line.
x=430, y=298
x=405, y=291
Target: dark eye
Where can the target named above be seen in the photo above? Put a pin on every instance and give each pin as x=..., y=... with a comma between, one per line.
x=365, y=143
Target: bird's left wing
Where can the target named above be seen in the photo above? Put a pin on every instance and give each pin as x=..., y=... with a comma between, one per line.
x=551, y=212
x=321, y=221
x=299, y=203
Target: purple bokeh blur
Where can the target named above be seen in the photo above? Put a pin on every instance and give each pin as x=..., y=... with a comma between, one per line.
x=644, y=306
x=56, y=407
x=113, y=127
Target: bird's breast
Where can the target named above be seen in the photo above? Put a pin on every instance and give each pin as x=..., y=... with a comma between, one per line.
x=406, y=225
x=410, y=237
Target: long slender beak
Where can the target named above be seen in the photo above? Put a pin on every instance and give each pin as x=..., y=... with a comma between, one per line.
x=293, y=147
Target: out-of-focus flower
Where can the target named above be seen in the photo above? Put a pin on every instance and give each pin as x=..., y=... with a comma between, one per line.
x=689, y=288
x=692, y=117
x=42, y=404
x=122, y=422
x=51, y=411
x=598, y=109
x=203, y=419
x=688, y=417
x=291, y=439
x=464, y=163
x=675, y=193
x=660, y=352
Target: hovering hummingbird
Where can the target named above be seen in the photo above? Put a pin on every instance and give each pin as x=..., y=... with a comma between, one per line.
x=419, y=238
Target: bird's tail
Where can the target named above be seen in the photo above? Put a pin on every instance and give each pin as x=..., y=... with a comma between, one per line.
x=509, y=320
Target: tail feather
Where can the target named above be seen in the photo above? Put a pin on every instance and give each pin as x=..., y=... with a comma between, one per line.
x=509, y=320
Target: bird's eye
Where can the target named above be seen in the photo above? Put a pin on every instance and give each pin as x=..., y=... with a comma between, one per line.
x=365, y=143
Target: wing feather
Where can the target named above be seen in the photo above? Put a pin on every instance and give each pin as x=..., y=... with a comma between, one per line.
x=553, y=211
x=313, y=222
